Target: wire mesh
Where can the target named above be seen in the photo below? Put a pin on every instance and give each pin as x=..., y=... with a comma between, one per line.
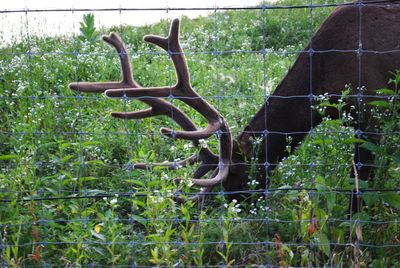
x=69, y=192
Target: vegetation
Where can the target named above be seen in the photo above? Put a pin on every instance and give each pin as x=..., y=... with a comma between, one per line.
x=88, y=29
x=69, y=196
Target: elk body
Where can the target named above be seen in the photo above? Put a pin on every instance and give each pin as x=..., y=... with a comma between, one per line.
x=357, y=45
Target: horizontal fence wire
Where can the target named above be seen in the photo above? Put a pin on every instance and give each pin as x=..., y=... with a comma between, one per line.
x=259, y=7
x=141, y=234
x=178, y=220
x=182, y=244
x=215, y=52
x=280, y=191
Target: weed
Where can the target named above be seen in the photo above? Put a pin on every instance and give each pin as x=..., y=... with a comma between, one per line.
x=88, y=29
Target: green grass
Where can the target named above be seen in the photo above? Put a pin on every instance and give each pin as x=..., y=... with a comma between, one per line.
x=57, y=144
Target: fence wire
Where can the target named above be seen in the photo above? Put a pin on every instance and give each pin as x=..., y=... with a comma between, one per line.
x=69, y=192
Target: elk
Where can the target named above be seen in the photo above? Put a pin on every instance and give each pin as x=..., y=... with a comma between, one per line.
x=356, y=45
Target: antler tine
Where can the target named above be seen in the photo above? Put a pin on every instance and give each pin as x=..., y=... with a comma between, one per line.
x=127, y=80
x=134, y=115
x=165, y=42
x=115, y=40
x=225, y=156
x=172, y=46
x=200, y=172
x=195, y=101
x=195, y=198
x=170, y=165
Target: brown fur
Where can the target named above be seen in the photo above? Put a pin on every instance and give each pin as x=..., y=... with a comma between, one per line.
x=330, y=71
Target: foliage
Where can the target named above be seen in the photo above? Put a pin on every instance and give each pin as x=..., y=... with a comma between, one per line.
x=88, y=29
x=92, y=208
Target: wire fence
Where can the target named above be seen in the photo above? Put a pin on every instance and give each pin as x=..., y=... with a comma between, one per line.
x=71, y=194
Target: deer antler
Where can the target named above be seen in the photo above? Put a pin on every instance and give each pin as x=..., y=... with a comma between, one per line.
x=182, y=90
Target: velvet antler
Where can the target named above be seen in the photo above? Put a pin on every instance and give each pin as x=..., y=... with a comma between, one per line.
x=183, y=91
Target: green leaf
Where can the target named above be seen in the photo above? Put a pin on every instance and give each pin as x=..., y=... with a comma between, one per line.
x=95, y=192
x=82, y=179
x=53, y=191
x=47, y=145
x=380, y=103
x=66, y=158
x=94, y=162
x=321, y=187
x=362, y=216
x=385, y=91
x=361, y=183
x=396, y=158
x=222, y=255
x=318, y=141
x=353, y=140
x=154, y=183
x=139, y=203
x=154, y=255
x=370, y=147
x=327, y=104
x=370, y=198
x=67, y=174
x=158, y=168
x=283, y=187
x=330, y=201
x=396, y=79
x=324, y=243
x=100, y=251
x=89, y=143
x=392, y=199
x=136, y=182
x=6, y=157
x=139, y=219
x=378, y=263
x=320, y=180
x=66, y=145
x=99, y=236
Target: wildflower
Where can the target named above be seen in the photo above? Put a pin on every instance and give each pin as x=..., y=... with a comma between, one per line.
x=187, y=146
x=203, y=143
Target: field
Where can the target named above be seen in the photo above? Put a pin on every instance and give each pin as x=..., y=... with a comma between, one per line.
x=68, y=193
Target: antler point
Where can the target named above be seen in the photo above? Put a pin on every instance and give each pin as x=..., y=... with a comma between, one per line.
x=73, y=86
